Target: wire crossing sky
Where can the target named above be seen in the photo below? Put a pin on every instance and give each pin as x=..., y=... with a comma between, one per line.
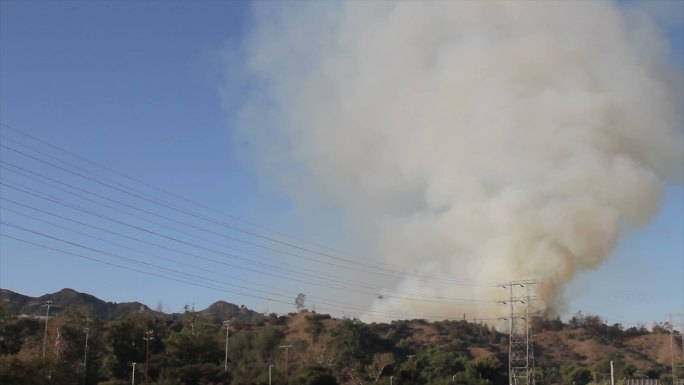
x=59, y=195
x=389, y=160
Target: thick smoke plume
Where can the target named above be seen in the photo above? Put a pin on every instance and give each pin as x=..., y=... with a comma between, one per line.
x=489, y=141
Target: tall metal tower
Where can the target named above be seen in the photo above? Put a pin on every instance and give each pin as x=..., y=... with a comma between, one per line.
x=676, y=325
x=520, y=352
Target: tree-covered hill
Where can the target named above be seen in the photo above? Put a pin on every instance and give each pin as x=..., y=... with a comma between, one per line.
x=106, y=311
x=302, y=348
x=65, y=299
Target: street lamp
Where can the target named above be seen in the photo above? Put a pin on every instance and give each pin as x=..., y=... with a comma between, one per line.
x=133, y=375
x=46, y=304
x=85, y=355
x=287, y=351
x=269, y=374
x=148, y=337
x=225, y=363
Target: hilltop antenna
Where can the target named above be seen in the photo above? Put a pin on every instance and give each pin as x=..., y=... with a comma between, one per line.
x=520, y=352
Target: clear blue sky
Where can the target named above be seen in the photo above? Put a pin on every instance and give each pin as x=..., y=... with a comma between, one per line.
x=135, y=86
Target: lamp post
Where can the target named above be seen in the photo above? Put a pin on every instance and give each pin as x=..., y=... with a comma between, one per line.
x=133, y=374
x=46, y=304
x=269, y=374
x=287, y=350
x=85, y=355
x=148, y=337
x=612, y=374
x=225, y=362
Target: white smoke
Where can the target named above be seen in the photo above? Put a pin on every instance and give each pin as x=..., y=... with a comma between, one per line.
x=492, y=141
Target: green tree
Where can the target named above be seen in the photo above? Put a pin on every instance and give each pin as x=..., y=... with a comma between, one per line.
x=34, y=369
x=621, y=368
x=126, y=338
x=355, y=346
x=13, y=370
x=576, y=376
x=16, y=333
x=435, y=364
x=251, y=352
x=316, y=375
x=548, y=376
x=193, y=355
x=300, y=301
x=72, y=358
x=490, y=368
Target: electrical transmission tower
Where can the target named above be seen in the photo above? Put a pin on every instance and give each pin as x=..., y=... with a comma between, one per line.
x=676, y=327
x=520, y=352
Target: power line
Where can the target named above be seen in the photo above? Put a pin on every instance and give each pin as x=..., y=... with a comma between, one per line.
x=204, y=218
x=331, y=306
x=173, y=249
x=42, y=195
x=316, y=278
x=402, y=274
x=169, y=219
x=179, y=276
x=21, y=132
x=167, y=259
x=310, y=276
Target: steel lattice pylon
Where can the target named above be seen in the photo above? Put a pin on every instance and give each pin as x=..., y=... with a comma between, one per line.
x=520, y=352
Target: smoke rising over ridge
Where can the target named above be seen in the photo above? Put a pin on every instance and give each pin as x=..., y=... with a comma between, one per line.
x=491, y=141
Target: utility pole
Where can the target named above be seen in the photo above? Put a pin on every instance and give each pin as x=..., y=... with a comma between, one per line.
x=287, y=373
x=225, y=362
x=520, y=352
x=148, y=337
x=48, y=305
x=676, y=324
x=85, y=355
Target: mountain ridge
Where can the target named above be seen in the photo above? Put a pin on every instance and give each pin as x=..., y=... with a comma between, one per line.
x=67, y=298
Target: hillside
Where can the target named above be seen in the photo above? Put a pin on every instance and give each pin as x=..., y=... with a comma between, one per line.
x=189, y=348
x=582, y=345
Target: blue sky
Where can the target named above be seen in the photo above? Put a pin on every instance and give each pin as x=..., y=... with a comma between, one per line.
x=139, y=87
